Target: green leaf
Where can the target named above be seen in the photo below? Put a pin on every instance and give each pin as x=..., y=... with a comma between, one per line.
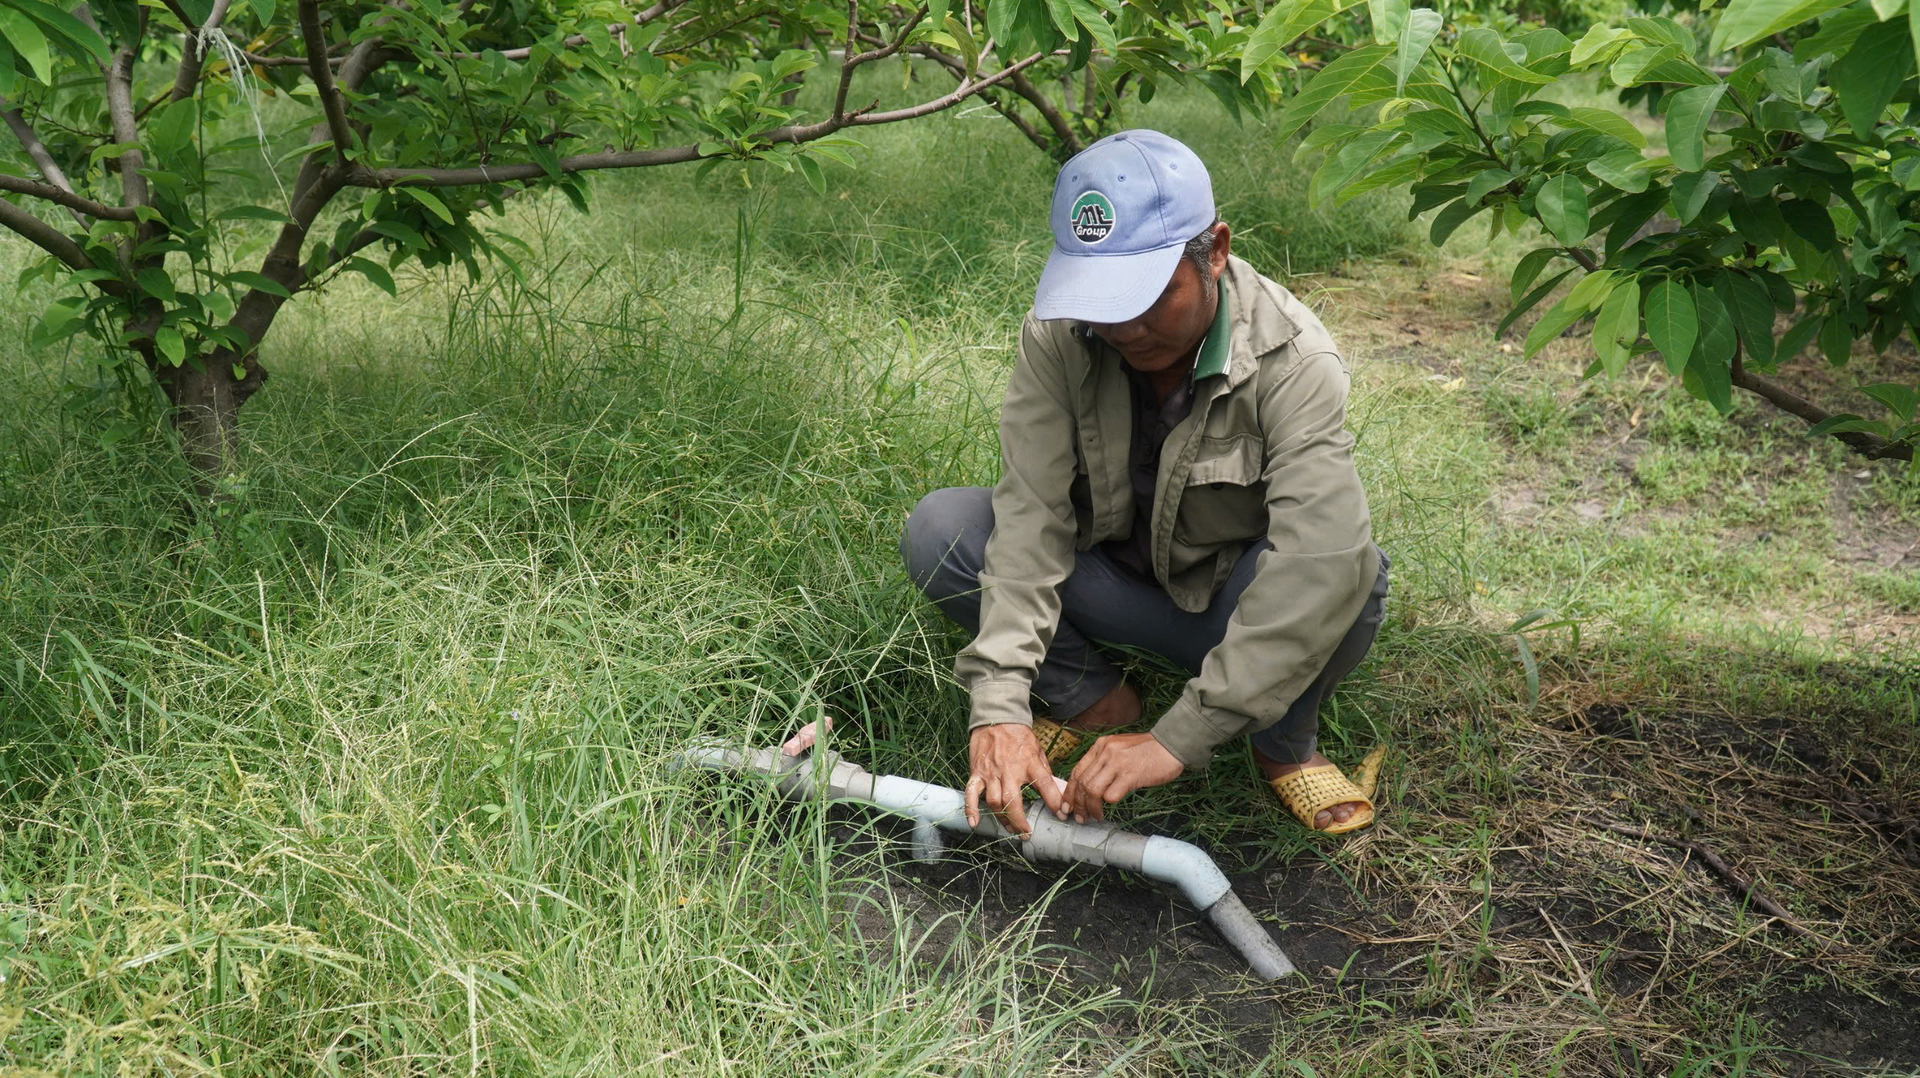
x=1672, y=323
x=1341, y=168
x=1690, y=192
x=1606, y=122
x=170, y=128
x=1634, y=64
x=1887, y=9
x=1002, y=22
x=1899, y=399
x=1617, y=326
x=1529, y=267
x=1280, y=26
x=1688, y=114
x=969, y=52
x=1562, y=206
x=1812, y=221
x=1389, y=18
x=1447, y=220
x=28, y=42
x=1836, y=340
x=1590, y=291
x=1096, y=24
x=1551, y=325
x=259, y=282
x=1795, y=340
x=7, y=66
x=265, y=9
x=1848, y=423
x=1662, y=31
x=1752, y=310
x=251, y=213
x=77, y=37
x=1595, y=41
x=372, y=271
x=1485, y=48
x=1626, y=170
x=1363, y=67
x=1747, y=21
x=1062, y=16
x=1531, y=299
x=155, y=282
x=1712, y=360
x=810, y=168
x=430, y=200
x=1867, y=78
x=1485, y=181
x=1416, y=38
x=1402, y=169
x=1913, y=36
x=168, y=340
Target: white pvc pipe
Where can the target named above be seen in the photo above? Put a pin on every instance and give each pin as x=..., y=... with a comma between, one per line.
x=933, y=808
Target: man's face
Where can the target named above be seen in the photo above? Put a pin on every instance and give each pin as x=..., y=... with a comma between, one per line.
x=1165, y=335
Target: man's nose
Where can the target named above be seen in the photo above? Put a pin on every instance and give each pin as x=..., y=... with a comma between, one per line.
x=1121, y=333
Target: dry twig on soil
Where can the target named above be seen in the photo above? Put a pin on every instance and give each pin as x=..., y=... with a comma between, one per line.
x=1744, y=887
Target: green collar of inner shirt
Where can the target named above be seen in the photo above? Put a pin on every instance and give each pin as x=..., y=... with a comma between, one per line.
x=1218, y=344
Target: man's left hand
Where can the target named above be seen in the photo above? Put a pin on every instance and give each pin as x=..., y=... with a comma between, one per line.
x=1114, y=767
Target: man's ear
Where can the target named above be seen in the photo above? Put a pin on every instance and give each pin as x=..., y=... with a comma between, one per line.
x=1222, y=245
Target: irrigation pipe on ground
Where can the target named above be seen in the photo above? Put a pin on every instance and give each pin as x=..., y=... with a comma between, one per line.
x=933, y=809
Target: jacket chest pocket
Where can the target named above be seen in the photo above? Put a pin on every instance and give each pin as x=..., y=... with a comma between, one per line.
x=1225, y=499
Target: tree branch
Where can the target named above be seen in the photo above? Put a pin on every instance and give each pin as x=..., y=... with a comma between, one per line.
x=37, y=151
x=322, y=74
x=1012, y=115
x=593, y=162
x=853, y=60
x=618, y=29
x=1871, y=446
x=44, y=236
x=119, y=76
x=660, y=45
x=192, y=52
x=1061, y=129
x=61, y=196
x=361, y=240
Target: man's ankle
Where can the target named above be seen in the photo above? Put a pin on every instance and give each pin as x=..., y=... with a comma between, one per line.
x=1119, y=707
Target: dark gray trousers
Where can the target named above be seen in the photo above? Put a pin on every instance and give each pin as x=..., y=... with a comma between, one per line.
x=944, y=548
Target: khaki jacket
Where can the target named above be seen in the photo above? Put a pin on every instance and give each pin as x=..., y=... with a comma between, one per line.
x=1264, y=453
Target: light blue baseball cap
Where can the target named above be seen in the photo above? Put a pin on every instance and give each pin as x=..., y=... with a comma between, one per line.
x=1123, y=209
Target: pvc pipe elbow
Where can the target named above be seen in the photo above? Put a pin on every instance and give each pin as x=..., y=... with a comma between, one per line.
x=1185, y=866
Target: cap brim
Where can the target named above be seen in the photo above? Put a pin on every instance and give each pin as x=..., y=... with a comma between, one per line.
x=1103, y=288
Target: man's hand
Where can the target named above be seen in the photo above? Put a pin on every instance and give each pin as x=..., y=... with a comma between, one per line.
x=1005, y=758
x=1114, y=767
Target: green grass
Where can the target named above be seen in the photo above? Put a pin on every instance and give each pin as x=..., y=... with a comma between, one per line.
x=369, y=774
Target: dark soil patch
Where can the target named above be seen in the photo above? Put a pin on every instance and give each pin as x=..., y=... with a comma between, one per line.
x=1619, y=949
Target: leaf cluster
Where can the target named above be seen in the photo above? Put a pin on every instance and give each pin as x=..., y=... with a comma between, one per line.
x=1786, y=196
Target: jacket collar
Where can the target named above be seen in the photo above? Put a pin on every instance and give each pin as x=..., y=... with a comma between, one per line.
x=1258, y=321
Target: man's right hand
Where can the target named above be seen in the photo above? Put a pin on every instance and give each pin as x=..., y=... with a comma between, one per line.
x=1006, y=757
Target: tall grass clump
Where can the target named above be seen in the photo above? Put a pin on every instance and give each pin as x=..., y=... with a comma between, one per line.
x=366, y=769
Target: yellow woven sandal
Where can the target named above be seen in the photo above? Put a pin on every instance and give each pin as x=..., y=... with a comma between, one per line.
x=1309, y=790
x=1056, y=741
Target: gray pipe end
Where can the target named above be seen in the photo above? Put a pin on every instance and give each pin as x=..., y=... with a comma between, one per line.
x=1250, y=938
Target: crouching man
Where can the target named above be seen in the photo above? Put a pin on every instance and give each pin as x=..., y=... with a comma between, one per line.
x=1176, y=476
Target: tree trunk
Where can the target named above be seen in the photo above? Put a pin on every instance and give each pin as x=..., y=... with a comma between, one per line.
x=206, y=400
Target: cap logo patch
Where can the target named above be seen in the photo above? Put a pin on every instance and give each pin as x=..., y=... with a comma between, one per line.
x=1092, y=217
